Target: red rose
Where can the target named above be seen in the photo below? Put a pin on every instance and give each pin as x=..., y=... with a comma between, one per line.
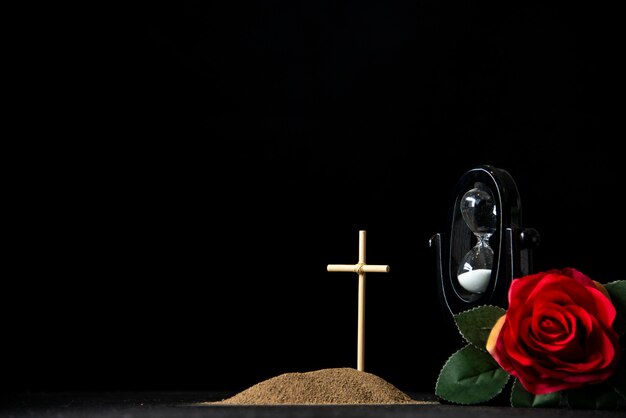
x=557, y=332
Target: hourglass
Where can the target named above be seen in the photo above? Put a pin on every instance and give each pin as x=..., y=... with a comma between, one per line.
x=480, y=214
x=486, y=246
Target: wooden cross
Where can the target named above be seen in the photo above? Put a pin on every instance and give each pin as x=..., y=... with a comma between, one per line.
x=360, y=268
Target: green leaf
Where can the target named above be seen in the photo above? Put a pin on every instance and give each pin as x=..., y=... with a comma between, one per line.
x=598, y=396
x=470, y=376
x=475, y=324
x=617, y=291
x=520, y=397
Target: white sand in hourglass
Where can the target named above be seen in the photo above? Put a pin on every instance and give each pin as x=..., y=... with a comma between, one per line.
x=476, y=280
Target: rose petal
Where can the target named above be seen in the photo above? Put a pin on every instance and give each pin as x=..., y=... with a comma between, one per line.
x=604, y=308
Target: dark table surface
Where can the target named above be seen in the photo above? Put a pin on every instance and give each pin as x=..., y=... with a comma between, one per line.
x=197, y=404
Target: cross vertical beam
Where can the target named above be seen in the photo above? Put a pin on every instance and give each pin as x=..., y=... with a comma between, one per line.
x=360, y=345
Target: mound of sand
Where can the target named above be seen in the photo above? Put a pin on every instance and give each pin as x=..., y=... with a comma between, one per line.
x=326, y=386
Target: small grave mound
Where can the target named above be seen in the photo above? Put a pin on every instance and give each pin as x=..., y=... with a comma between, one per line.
x=326, y=386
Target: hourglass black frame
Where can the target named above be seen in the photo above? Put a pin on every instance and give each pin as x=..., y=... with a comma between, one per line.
x=511, y=243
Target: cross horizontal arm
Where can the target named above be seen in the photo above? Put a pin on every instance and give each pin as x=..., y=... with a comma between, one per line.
x=357, y=268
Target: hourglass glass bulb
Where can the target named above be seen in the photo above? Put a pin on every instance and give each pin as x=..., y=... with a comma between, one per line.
x=479, y=213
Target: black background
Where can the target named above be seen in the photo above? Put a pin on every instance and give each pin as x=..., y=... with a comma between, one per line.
x=186, y=171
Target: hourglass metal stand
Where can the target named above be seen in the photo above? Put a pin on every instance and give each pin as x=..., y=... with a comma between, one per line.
x=485, y=247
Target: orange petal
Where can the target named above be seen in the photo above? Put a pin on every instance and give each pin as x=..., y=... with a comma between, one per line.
x=602, y=289
x=493, y=335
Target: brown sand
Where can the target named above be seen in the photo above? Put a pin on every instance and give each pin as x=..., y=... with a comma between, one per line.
x=326, y=386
